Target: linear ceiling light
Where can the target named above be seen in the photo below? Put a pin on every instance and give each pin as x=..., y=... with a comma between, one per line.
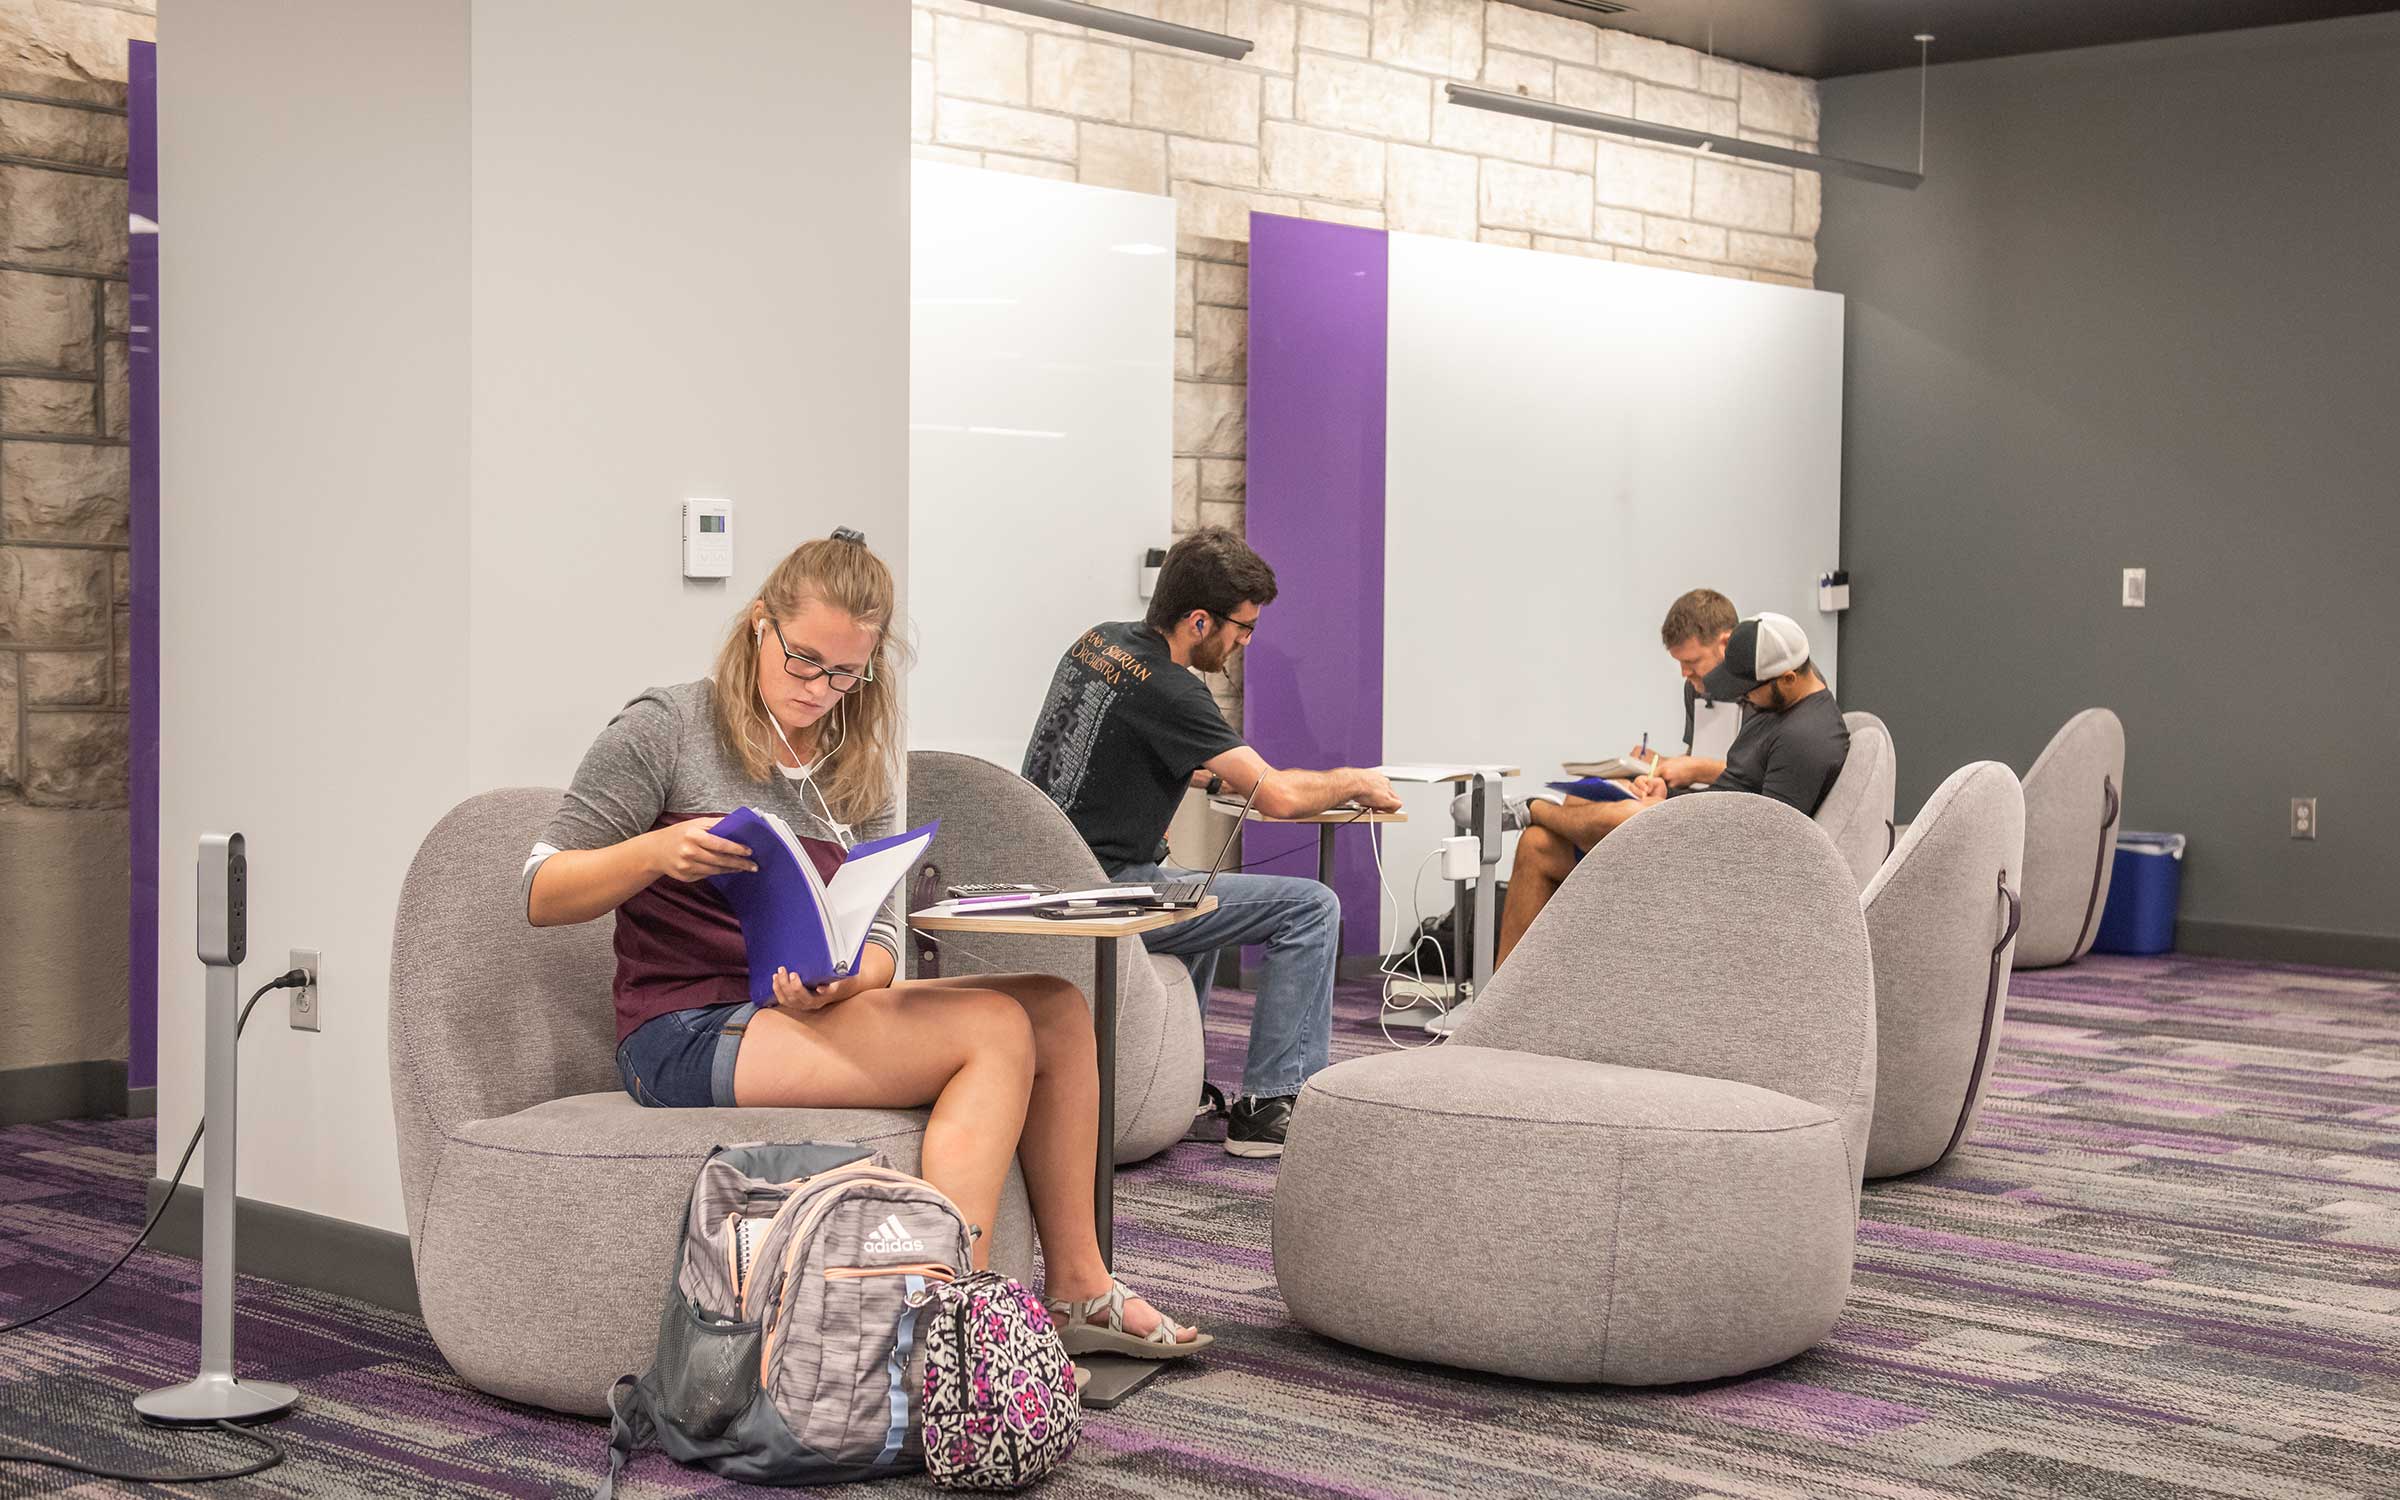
x=1140, y=28
x=1721, y=145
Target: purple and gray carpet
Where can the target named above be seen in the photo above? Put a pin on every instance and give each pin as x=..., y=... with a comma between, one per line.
x=2167, y=1264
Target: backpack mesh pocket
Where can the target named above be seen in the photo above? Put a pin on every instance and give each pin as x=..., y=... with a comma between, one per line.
x=707, y=1372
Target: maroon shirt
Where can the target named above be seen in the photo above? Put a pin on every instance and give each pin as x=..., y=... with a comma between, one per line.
x=679, y=945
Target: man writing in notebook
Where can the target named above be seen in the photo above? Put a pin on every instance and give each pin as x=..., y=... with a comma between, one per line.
x=1126, y=729
x=1697, y=626
x=1791, y=747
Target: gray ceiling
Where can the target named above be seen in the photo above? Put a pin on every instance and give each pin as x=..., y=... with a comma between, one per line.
x=1830, y=38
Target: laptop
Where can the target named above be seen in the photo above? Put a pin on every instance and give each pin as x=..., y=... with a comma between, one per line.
x=1175, y=895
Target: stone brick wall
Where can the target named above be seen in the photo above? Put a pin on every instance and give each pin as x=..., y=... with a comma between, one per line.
x=1338, y=114
x=64, y=487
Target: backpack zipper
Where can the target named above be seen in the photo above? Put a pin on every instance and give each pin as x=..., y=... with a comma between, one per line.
x=793, y=1198
x=932, y=1270
x=818, y=1208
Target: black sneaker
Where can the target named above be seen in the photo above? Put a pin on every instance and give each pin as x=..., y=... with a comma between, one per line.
x=1257, y=1126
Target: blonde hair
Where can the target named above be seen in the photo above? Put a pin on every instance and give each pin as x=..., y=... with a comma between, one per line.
x=858, y=775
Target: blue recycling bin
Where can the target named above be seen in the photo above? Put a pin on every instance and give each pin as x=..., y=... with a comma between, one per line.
x=2144, y=888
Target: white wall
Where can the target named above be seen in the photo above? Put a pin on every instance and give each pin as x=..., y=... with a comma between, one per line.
x=690, y=268
x=440, y=357
x=1040, y=400
x=1572, y=445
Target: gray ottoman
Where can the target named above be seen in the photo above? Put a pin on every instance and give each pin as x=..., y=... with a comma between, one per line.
x=1638, y=1161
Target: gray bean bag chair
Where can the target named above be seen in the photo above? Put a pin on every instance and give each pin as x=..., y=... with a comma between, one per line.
x=543, y=1203
x=2073, y=795
x=1942, y=917
x=1638, y=1159
x=1857, y=812
x=996, y=825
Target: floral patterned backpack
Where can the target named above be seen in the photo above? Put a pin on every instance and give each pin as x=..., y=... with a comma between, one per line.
x=999, y=1406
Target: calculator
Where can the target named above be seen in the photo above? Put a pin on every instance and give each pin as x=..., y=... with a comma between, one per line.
x=1001, y=888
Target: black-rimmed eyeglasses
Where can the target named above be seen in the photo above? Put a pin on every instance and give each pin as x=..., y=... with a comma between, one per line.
x=1248, y=628
x=808, y=669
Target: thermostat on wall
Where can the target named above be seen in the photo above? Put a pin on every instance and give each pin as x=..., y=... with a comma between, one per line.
x=708, y=538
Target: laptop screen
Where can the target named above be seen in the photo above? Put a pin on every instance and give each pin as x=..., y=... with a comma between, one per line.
x=1226, y=851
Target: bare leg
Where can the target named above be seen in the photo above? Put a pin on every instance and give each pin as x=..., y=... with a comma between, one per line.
x=1062, y=1136
x=1544, y=860
x=966, y=1051
x=1585, y=824
x=1546, y=857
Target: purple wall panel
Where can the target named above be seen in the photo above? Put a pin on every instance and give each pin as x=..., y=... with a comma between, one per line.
x=1313, y=678
x=141, y=202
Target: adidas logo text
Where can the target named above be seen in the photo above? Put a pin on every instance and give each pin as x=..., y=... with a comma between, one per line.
x=891, y=1237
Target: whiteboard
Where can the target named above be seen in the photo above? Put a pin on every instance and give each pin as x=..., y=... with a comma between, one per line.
x=1041, y=411
x=1572, y=444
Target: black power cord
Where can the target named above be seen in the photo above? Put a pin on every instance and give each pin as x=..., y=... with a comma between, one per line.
x=293, y=979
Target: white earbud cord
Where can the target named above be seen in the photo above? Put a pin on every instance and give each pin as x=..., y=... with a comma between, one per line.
x=807, y=768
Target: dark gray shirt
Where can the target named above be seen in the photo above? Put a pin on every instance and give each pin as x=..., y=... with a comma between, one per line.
x=1118, y=738
x=1792, y=756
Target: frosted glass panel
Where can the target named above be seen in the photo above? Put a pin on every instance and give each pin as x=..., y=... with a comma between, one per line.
x=1573, y=443
x=1041, y=394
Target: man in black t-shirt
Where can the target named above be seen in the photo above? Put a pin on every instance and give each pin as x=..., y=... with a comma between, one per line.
x=1794, y=742
x=1126, y=729
x=1791, y=747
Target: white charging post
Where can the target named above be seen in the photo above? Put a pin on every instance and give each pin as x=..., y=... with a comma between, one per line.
x=214, y=1395
x=1473, y=905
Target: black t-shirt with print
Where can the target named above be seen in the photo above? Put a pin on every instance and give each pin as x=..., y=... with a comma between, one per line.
x=1792, y=756
x=1118, y=738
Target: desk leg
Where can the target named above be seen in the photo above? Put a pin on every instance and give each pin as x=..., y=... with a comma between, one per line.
x=1104, y=1030
x=1114, y=1376
x=1325, y=852
x=1478, y=962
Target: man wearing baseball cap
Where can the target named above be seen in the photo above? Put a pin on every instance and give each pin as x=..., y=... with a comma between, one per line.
x=1794, y=743
x=1791, y=748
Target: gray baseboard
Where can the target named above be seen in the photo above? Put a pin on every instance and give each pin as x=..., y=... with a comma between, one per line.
x=62, y=1091
x=298, y=1249
x=2288, y=945
x=142, y=1104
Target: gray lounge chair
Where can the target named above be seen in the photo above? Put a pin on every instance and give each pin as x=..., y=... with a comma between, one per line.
x=996, y=825
x=542, y=1202
x=2073, y=796
x=1638, y=1161
x=1942, y=918
x=1857, y=811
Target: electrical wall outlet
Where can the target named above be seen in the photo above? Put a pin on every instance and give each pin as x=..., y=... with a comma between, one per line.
x=2137, y=588
x=2304, y=817
x=307, y=1000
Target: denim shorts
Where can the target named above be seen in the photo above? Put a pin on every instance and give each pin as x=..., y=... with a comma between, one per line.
x=684, y=1059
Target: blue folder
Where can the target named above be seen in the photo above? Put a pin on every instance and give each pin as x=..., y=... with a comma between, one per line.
x=803, y=914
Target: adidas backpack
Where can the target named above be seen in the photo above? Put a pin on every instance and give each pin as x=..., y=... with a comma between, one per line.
x=791, y=1347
